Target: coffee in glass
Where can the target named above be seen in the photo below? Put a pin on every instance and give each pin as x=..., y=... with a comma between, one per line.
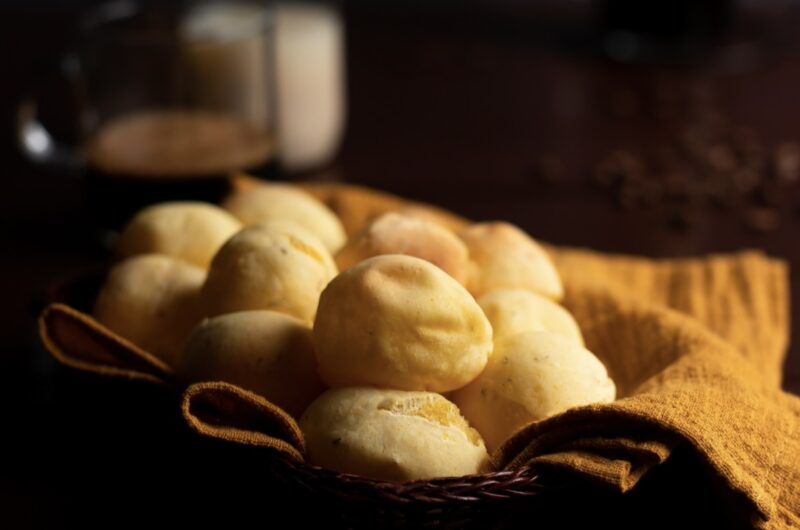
x=172, y=98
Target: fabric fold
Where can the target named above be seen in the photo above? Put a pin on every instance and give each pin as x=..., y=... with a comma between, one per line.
x=680, y=382
x=227, y=412
x=79, y=341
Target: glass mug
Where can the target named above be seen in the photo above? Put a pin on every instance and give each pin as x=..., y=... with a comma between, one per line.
x=170, y=100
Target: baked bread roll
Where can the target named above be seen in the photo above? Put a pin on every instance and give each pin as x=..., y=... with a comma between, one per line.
x=393, y=233
x=272, y=202
x=267, y=352
x=391, y=435
x=275, y=265
x=400, y=322
x=153, y=301
x=433, y=214
x=190, y=231
x=504, y=257
x=512, y=311
x=530, y=377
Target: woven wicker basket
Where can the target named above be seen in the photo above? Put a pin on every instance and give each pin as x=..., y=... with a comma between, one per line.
x=476, y=500
x=494, y=499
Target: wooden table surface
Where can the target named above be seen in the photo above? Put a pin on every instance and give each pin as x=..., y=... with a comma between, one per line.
x=483, y=111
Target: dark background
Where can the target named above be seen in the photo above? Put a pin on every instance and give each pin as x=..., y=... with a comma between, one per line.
x=508, y=110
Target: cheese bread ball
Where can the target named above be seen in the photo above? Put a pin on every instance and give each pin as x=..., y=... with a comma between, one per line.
x=434, y=215
x=530, y=377
x=275, y=265
x=270, y=202
x=504, y=257
x=191, y=231
x=391, y=435
x=400, y=322
x=267, y=352
x=393, y=233
x=153, y=301
x=513, y=311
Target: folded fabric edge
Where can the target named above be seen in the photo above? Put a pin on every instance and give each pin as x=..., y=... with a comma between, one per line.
x=226, y=412
x=77, y=340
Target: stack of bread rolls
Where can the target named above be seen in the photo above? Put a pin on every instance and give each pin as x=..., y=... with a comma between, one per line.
x=408, y=351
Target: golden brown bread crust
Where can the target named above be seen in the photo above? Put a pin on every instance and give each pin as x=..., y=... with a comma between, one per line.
x=189, y=231
x=270, y=202
x=512, y=311
x=394, y=233
x=391, y=435
x=153, y=301
x=274, y=265
x=400, y=322
x=530, y=377
x=267, y=352
x=502, y=256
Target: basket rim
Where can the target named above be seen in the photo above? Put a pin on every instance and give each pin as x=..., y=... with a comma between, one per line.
x=502, y=485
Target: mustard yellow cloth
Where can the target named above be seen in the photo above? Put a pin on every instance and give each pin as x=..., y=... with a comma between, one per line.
x=695, y=347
